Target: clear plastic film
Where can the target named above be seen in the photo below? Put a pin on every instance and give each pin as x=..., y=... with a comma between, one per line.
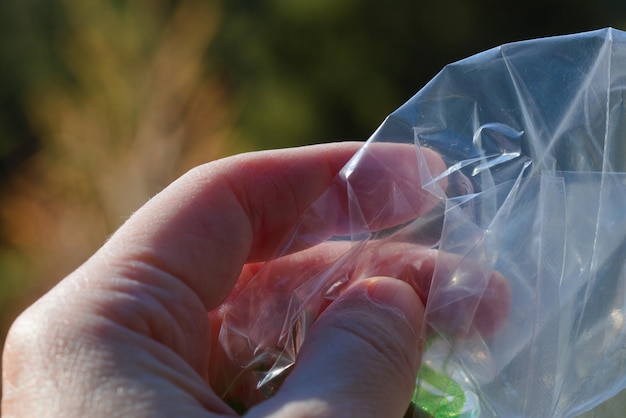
x=503, y=183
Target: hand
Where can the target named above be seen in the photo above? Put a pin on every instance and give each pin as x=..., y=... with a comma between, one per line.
x=128, y=334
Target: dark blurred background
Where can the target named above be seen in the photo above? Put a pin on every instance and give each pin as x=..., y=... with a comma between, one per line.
x=104, y=102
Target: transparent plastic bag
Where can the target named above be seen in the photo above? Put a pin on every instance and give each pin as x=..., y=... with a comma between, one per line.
x=522, y=233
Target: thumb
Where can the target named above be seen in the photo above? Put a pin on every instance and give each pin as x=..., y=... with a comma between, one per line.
x=360, y=358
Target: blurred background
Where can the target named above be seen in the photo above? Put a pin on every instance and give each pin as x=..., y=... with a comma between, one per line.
x=104, y=102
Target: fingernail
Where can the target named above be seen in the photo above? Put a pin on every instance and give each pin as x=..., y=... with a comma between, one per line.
x=400, y=296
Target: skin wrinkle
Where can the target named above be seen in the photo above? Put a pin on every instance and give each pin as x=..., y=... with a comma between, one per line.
x=394, y=356
x=388, y=346
x=205, y=226
x=385, y=360
x=162, y=307
x=66, y=347
x=151, y=317
x=210, y=225
x=165, y=364
x=34, y=387
x=286, y=190
x=253, y=216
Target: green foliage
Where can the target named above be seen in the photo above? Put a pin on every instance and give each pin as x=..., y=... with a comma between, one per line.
x=310, y=71
x=29, y=30
x=300, y=71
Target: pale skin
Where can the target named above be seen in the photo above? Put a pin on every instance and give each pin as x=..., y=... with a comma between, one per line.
x=127, y=333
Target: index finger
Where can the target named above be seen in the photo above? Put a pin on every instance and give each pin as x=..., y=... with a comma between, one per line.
x=205, y=226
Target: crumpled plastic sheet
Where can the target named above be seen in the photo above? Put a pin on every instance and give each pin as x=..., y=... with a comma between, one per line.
x=520, y=227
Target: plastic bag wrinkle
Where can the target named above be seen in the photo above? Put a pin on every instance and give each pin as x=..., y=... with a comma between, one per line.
x=514, y=237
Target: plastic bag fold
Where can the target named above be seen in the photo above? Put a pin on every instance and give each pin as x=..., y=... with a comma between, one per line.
x=519, y=224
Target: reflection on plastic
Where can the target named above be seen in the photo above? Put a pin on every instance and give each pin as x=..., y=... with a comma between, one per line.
x=521, y=236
